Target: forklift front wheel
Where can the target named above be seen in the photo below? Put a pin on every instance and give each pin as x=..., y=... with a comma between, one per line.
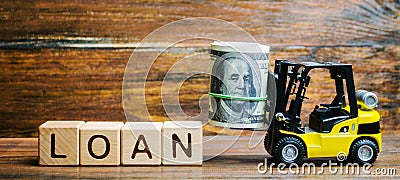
x=289, y=150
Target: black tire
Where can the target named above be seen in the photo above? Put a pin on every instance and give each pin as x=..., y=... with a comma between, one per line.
x=289, y=150
x=364, y=151
x=266, y=142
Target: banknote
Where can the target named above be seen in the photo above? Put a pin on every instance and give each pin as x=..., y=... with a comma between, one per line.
x=238, y=85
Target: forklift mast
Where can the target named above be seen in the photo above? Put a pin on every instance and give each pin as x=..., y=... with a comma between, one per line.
x=287, y=70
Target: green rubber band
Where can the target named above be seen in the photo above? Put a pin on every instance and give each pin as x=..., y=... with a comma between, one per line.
x=223, y=96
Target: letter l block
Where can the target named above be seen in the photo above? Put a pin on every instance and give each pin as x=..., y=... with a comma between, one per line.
x=182, y=143
x=59, y=142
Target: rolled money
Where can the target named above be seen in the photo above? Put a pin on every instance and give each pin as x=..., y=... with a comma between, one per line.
x=238, y=85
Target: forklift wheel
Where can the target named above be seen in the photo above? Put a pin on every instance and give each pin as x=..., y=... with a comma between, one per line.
x=289, y=150
x=266, y=142
x=364, y=151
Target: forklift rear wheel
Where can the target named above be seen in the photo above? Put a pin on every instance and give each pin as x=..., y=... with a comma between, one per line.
x=289, y=150
x=364, y=151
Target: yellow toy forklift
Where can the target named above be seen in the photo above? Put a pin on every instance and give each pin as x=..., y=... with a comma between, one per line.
x=352, y=129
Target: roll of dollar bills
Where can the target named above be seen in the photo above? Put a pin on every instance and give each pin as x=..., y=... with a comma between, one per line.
x=238, y=85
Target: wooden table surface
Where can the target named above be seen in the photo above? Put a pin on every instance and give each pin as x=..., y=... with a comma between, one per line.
x=19, y=159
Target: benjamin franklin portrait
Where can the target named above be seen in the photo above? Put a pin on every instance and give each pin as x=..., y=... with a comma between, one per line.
x=234, y=78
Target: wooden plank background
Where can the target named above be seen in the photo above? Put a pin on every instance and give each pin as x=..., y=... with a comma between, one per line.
x=41, y=80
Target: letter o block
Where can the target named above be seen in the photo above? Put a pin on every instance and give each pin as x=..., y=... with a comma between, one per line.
x=141, y=143
x=100, y=143
x=182, y=143
x=59, y=142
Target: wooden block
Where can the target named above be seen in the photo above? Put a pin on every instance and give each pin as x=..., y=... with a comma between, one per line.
x=100, y=143
x=182, y=143
x=141, y=143
x=59, y=142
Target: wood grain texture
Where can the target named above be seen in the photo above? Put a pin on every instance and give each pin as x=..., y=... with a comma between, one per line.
x=282, y=22
x=41, y=79
x=237, y=162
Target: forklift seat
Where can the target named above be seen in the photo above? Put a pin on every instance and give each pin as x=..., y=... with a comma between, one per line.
x=323, y=119
x=337, y=103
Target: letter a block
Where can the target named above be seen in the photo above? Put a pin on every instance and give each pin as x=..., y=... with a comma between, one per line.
x=182, y=143
x=141, y=143
x=100, y=143
x=59, y=142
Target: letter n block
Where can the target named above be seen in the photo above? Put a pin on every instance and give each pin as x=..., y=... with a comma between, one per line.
x=182, y=143
x=141, y=143
x=100, y=143
x=59, y=142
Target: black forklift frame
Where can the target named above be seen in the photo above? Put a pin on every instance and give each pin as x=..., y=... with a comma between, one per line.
x=338, y=72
